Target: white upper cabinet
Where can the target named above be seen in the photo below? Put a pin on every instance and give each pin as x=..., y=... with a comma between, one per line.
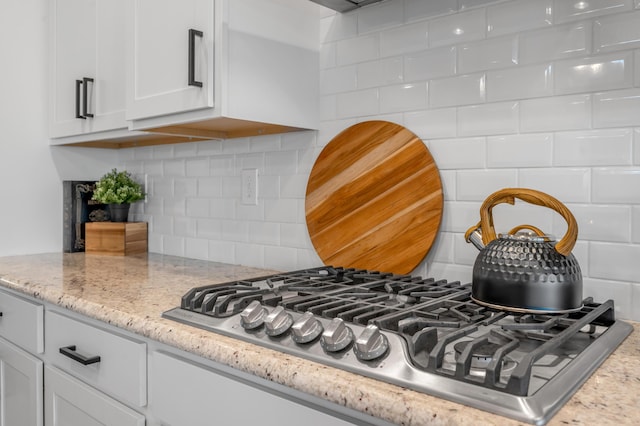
x=87, y=68
x=222, y=68
x=170, y=40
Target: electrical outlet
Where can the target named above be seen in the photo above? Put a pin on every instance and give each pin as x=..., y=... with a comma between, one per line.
x=250, y=187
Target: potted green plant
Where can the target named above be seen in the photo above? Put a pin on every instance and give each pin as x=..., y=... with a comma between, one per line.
x=117, y=190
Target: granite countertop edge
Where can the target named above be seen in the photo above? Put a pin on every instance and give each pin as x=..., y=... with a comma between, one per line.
x=103, y=287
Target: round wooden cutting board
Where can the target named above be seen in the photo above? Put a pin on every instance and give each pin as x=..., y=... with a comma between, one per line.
x=374, y=199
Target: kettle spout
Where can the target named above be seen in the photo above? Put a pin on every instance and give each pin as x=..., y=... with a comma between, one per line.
x=474, y=236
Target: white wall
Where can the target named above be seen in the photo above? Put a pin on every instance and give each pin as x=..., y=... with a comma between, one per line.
x=31, y=173
x=504, y=94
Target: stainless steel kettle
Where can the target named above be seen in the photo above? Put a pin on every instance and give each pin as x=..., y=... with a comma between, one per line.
x=525, y=272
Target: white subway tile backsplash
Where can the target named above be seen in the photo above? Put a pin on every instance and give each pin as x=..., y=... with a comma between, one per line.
x=185, y=187
x=526, y=150
x=264, y=232
x=518, y=16
x=223, y=251
x=557, y=113
x=284, y=210
x=221, y=208
x=233, y=230
x=174, y=206
x=210, y=229
x=153, y=168
x=403, y=97
x=460, y=90
x=520, y=83
x=280, y=163
x=603, y=222
x=605, y=289
x=162, y=152
x=339, y=26
x=571, y=10
x=569, y=185
x=162, y=225
x=197, y=166
x=611, y=261
x=404, y=39
x=357, y=49
x=337, y=80
x=379, y=16
x=467, y=153
x=428, y=64
x=636, y=146
x=294, y=235
x=196, y=248
x=420, y=9
x=616, y=108
x=458, y=28
x=358, y=103
x=616, y=185
x=635, y=224
x=464, y=252
x=501, y=52
x=294, y=186
x=448, y=180
x=459, y=216
x=174, y=167
x=555, y=43
x=432, y=123
x=603, y=72
x=328, y=108
x=474, y=185
x=250, y=212
x=222, y=165
x=172, y=245
x=442, y=248
x=603, y=147
x=161, y=187
x=380, y=73
x=209, y=187
x=198, y=207
x=617, y=32
x=488, y=119
x=213, y=147
x=184, y=226
x=280, y=257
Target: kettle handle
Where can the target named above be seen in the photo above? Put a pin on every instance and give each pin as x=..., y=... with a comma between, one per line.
x=508, y=195
x=537, y=231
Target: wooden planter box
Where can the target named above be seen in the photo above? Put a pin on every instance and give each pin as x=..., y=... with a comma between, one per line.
x=115, y=238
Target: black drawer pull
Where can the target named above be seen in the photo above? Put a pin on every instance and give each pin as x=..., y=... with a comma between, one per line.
x=70, y=351
x=85, y=89
x=192, y=57
x=78, y=115
x=0, y=314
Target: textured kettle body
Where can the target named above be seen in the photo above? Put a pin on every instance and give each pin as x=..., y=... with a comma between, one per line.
x=525, y=272
x=524, y=275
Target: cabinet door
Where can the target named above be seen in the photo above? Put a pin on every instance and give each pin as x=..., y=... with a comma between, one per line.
x=158, y=43
x=87, y=43
x=20, y=387
x=69, y=402
x=209, y=397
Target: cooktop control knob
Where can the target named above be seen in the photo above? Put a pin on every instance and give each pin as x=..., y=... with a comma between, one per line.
x=253, y=316
x=337, y=336
x=371, y=344
x=277, y=322
x=306, y=329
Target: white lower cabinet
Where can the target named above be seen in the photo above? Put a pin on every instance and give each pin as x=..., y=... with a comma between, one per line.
x=183, y=393
x=70, y=402
x=20, y=387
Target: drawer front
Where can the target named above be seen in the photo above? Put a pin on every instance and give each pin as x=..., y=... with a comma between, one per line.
x=104, y=359
x=22, y=322
x=70, y=402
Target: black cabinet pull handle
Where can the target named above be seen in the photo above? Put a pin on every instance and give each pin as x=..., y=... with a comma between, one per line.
x=0, y=314
x=78, y=84
x=85, y=89
x=70, y=351
x=192, y=57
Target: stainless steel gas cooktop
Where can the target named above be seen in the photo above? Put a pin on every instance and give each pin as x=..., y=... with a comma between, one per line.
x=423, y=334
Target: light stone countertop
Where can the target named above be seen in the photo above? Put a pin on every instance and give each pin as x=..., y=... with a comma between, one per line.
x=132, y=292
